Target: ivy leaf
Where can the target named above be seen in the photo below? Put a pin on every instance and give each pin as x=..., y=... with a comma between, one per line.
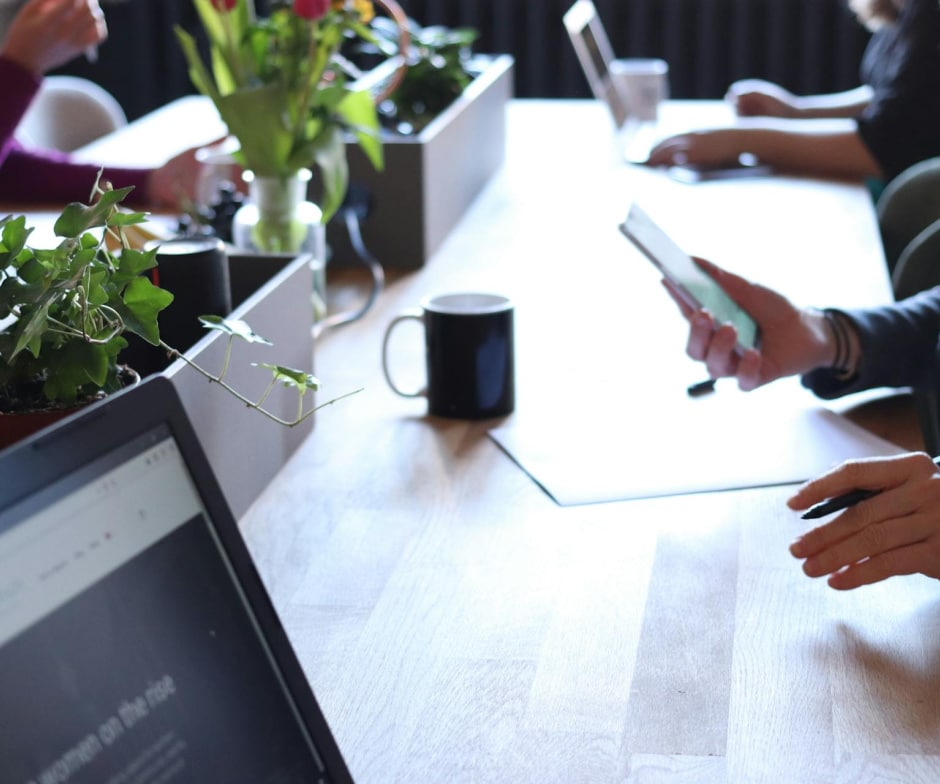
x=140, y=306
x=234, y=328
x=29, y=331
x=134, y=263
x=291, y=377
x=13, y=237
x=77, y=218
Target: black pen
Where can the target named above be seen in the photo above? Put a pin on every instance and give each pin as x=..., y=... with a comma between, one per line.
x=701, y=388
x=844, y=501
x=838, y=503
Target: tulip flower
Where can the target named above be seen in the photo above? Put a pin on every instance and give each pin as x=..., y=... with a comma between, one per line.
x=311, y=9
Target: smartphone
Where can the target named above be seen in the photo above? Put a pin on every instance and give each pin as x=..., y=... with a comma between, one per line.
x=694, y=285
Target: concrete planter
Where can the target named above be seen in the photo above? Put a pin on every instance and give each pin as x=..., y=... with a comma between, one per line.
x=431, y=179
x=246, y=449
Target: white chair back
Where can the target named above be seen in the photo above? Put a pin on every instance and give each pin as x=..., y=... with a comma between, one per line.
x=69, y=112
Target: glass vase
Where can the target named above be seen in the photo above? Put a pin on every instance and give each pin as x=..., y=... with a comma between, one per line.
x=278, y=218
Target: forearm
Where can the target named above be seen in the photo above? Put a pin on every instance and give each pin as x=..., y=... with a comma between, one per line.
x=832, y=152
x=850, y=103
x=28, y=177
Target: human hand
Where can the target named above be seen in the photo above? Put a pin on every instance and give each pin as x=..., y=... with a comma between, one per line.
x=793, y=340
x=718, y=147
x=176, y=184
x=894, y=532
x=760, y=98
x=48, y=33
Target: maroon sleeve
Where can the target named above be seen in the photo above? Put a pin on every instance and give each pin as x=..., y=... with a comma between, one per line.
x=32, y=176
x=45, y=177
x=19, y=88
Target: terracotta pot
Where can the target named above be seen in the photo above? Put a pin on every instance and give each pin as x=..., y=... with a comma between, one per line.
x=18, y=425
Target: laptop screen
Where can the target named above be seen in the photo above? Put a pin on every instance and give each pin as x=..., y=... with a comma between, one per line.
x=129, y=652
x=595, y=55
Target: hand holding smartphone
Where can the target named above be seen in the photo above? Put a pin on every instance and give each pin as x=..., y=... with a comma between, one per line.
x=695, y=286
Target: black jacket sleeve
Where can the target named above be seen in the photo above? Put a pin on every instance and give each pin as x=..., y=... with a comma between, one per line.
x=899, y=348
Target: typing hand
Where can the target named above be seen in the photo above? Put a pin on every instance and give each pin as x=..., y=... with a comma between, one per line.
x=759, y=98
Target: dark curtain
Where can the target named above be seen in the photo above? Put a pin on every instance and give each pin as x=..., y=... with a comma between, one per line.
x=809, y=46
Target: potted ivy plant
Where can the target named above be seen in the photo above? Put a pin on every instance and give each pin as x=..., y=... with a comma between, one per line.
x=66, y=313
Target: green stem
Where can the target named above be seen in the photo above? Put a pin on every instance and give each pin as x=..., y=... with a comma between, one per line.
x=302, y=415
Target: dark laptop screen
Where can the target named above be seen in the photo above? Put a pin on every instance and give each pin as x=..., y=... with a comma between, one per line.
x=129, y=653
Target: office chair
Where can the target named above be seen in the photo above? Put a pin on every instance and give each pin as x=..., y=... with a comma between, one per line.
x=68, y=112
x=908, y=204
x=918, y=269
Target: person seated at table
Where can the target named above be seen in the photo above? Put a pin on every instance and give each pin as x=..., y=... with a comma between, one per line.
x=891, y=122
x=836, y=353
x=45, y=34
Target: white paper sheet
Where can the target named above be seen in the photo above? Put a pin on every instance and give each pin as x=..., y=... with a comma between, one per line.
x=665, y=443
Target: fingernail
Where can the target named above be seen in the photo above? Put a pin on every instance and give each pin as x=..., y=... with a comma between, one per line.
x=811, y=568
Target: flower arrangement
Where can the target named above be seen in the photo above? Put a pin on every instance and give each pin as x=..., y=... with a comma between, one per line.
x=277, y=86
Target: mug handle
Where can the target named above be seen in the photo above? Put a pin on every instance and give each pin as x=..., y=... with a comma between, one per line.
x=416, y=315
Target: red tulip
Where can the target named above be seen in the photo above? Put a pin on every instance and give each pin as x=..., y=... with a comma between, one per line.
x=224, y=5
x=311, y=9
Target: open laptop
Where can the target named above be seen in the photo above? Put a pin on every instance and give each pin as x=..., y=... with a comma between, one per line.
x=137, y=643
x=595, y=54
x=635, y=136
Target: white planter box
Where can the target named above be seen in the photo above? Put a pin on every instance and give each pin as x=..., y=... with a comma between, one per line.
x=431, y=179
x=245, y=448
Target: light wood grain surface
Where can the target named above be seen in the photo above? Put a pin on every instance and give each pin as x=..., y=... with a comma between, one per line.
x=459, y=626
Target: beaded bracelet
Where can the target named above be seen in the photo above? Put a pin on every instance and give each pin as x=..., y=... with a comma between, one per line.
x=841, y=363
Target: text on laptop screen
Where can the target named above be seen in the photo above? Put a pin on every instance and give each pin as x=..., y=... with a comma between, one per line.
x=126, y=645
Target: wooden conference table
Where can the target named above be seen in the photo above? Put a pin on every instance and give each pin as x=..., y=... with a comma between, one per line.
x=458, y=625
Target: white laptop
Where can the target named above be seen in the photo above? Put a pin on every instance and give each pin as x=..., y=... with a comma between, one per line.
x=596, y=55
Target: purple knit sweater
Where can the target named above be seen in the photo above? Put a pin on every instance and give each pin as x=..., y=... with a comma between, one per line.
x=31, y=176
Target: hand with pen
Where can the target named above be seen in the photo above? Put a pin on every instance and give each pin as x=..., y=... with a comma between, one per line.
x=895, y=531
x=45, y=34
x=884, y=513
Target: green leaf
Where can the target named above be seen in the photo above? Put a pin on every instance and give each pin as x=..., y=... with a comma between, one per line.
x=198, y=73
x=29, y=331
x=14, y=236
x=359, y=113
x=120, y=219
x=142, y=303
x=259, y=118
x=234, y=328
x=134, y=263
x=291, y=377
x=78, y=218
x=330, y=157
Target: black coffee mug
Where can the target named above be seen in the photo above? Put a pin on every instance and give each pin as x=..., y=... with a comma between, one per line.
x=195, y=271
x=469, y=353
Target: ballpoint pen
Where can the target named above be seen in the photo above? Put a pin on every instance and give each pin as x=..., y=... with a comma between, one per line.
x=701, y=388
x=844, y=501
